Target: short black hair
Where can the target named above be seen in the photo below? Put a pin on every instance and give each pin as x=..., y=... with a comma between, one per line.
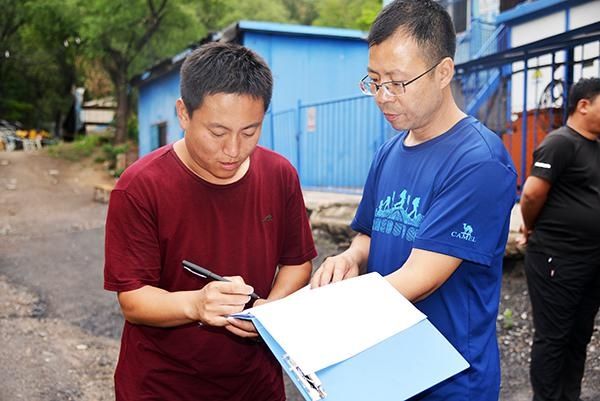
x=585, y=88
x=425, y=21
x=219, y=67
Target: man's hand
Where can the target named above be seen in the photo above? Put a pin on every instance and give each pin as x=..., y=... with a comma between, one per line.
x=219, y=299
x=335, y=268
x=244, y=328
x=524, y=237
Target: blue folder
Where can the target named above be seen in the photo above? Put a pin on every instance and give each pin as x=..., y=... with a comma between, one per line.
x=395, y=369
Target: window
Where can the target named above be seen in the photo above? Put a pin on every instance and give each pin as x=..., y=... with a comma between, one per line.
x=459, y=11
x=508, y=4
x=158, y=135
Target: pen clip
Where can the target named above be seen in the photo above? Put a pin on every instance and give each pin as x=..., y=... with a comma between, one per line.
x=193, y=272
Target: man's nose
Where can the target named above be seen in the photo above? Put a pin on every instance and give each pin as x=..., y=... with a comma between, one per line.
x=232, y=146
x=382, y=96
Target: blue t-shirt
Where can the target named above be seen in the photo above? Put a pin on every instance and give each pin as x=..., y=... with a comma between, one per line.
x=452, y=195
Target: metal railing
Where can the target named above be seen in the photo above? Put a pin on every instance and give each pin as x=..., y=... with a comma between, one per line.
x=330, y=143
x=481, y=37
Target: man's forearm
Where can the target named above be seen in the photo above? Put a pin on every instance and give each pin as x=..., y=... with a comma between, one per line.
x=289, y=279
x=154, y=307
x=530, y=210
x=534, y=195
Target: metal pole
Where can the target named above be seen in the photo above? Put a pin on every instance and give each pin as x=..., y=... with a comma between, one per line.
x=524, y=127
x=568, y=80
x=552, y=91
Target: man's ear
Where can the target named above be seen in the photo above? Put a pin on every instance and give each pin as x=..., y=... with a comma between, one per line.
x=182, y=114
x=582, y=106
x=446, y=71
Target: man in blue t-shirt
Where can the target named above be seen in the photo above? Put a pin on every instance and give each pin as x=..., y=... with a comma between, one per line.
x=435, y=211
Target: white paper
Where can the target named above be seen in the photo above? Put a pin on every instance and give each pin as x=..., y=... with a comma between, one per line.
x=323, y=326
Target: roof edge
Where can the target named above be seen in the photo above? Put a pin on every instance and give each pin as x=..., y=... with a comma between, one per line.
x=535, y=9
x=231, y=33
x=307, y=30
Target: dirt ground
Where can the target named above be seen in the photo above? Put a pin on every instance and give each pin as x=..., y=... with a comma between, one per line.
x=59, y=329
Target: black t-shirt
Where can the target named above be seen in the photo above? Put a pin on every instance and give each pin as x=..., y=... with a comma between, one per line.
x=569, y=223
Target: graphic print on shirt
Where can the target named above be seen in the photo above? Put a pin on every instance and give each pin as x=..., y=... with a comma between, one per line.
x=466, y=234
x=398, y=215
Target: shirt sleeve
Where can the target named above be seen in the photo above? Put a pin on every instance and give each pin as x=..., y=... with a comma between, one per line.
x=552, y=157
x=298, y=244
x=469, y=217
x=132, y=253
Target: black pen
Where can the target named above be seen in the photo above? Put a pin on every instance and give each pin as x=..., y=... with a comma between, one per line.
x=205, y=273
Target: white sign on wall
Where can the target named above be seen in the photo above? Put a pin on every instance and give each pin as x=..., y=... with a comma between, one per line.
x=311, y=119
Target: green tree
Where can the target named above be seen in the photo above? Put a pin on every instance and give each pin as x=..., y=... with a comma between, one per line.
x=37, y=70
x=215, y=15
x=301, y=11
x=357, y=14
x=13, y=17
x=127, y=36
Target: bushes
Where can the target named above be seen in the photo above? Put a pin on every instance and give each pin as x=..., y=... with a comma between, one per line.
x=82, y=147
x=96, y=146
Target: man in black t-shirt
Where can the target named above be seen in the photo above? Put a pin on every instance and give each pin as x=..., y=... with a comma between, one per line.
x=560, y=205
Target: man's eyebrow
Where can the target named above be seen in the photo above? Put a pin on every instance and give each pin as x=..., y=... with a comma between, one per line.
x=221, y=126
x=253, y=125
x=395, y=71
x=216, y=125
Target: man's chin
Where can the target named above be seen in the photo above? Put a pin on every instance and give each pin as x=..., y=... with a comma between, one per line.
x=400, y=125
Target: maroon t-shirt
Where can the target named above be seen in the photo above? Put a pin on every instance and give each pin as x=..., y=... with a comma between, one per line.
x=160, y=213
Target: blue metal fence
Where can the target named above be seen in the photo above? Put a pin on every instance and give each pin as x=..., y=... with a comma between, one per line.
x=471, y=43
x=330, y=143
x=501, y=76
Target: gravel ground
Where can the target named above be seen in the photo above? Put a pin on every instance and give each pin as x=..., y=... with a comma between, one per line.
x=59, y=330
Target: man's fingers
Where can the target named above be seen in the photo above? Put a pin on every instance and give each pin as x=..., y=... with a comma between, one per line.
x=215, y=320
x=241, y=328
x=241, y=324
x=224, y=310
x=326, y=274
x=236, y=285
x=339, y=272
x=315, y=280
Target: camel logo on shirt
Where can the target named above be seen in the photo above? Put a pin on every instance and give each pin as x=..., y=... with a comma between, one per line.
x=466, y=234
x=398, y=215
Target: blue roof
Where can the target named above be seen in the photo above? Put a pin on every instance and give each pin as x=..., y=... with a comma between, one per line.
x=291, y=29
x=535, y=9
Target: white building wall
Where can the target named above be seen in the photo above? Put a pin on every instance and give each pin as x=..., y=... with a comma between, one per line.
x=540, y=78
x=584, y=14
x=540, y=28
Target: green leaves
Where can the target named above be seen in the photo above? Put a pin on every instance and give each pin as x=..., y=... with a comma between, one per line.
x=47, y=47
x=357, y=14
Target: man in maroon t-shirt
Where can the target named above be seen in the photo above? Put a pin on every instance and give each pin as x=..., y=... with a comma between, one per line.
x=217, y=199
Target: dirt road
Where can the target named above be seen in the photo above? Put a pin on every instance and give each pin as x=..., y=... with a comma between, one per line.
x=59, y=329
x=57, y=342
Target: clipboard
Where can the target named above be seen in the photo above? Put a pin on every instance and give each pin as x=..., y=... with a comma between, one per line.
x=396, y=368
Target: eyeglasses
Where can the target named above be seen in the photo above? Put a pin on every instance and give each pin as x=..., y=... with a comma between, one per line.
x=390, y=88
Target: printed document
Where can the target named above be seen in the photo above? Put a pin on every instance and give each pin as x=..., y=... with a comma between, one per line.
x=320, y=327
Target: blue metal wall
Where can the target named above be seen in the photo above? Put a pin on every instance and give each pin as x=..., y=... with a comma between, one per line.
x=310, y=68
x=330, y=143
x=309, y=71
x=156, y=105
